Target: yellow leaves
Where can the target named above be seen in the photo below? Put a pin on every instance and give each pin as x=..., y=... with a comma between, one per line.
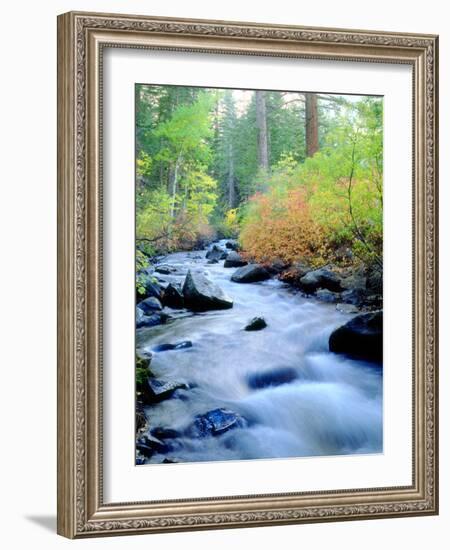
x=280, y=227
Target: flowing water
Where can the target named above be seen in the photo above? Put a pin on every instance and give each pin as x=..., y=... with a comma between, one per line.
x=332, y=406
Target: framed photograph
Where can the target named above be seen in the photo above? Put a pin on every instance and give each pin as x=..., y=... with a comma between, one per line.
x=247, y=276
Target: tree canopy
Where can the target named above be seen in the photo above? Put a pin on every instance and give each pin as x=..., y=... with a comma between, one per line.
x=293, y=175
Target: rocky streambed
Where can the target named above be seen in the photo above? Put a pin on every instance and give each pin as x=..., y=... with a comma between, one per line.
x=233, y=363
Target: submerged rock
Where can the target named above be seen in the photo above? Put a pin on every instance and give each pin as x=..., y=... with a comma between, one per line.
x=201, y=294
x=361, y=338
x=212, y=261
x=216, y=253
x=234, y=260
x=257, y=323
x=168, y=347
x=251, y=273
x=273, y=377
x=215, y=422
x=173, y=297
x=320, y=278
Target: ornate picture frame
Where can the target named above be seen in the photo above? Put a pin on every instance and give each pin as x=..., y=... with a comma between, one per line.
x=82, y=38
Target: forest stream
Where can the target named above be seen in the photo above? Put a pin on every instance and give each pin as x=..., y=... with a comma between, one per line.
x=283, y=392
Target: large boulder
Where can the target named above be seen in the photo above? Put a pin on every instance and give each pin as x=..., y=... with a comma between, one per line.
x=216, y=253
x=234, y=260
x=361, y=338
x=320, y=278
x=251, y=273
x=215, y=422
x=201, y=294
x=173, y=297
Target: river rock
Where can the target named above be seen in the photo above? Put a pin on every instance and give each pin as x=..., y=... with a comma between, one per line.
x=374, y=282
x=251, y=273
x=212, y=261
x=354, y=296
x=140, y=458
x=158, y=390
x=173, y=297
x=151, y=287
x=232, y=244
x=257, y=323
x=201, y=294
x=361, y=338
x=151, y=320
x=326, y=295
x=234, y=260
x=215, y=422
x=293, y=274
x=149, y=305
x=346, y=308
x=139, y=315
x=165, y=269
x=168, y=347
x=216, y=253
x=165, y=433
x=273, y=377
x=148, y=445
x=320, y=278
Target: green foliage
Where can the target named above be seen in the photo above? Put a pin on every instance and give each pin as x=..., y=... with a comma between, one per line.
x=341, y=186
x=197, y=172
x=142, y=372
x=141, y=264
x=144, y=164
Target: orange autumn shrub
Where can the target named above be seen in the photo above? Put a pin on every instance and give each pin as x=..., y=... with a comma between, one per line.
x=278, y=226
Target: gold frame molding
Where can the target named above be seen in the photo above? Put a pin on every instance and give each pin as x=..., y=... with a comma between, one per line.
x=81, y=39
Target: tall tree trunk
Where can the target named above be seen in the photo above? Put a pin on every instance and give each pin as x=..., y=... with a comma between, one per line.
x=230, y=183
x=174, y=185
x=261, y=123
x=311, y=124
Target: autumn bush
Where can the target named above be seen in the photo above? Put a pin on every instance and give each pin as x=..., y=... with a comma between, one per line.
x=279, y=226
